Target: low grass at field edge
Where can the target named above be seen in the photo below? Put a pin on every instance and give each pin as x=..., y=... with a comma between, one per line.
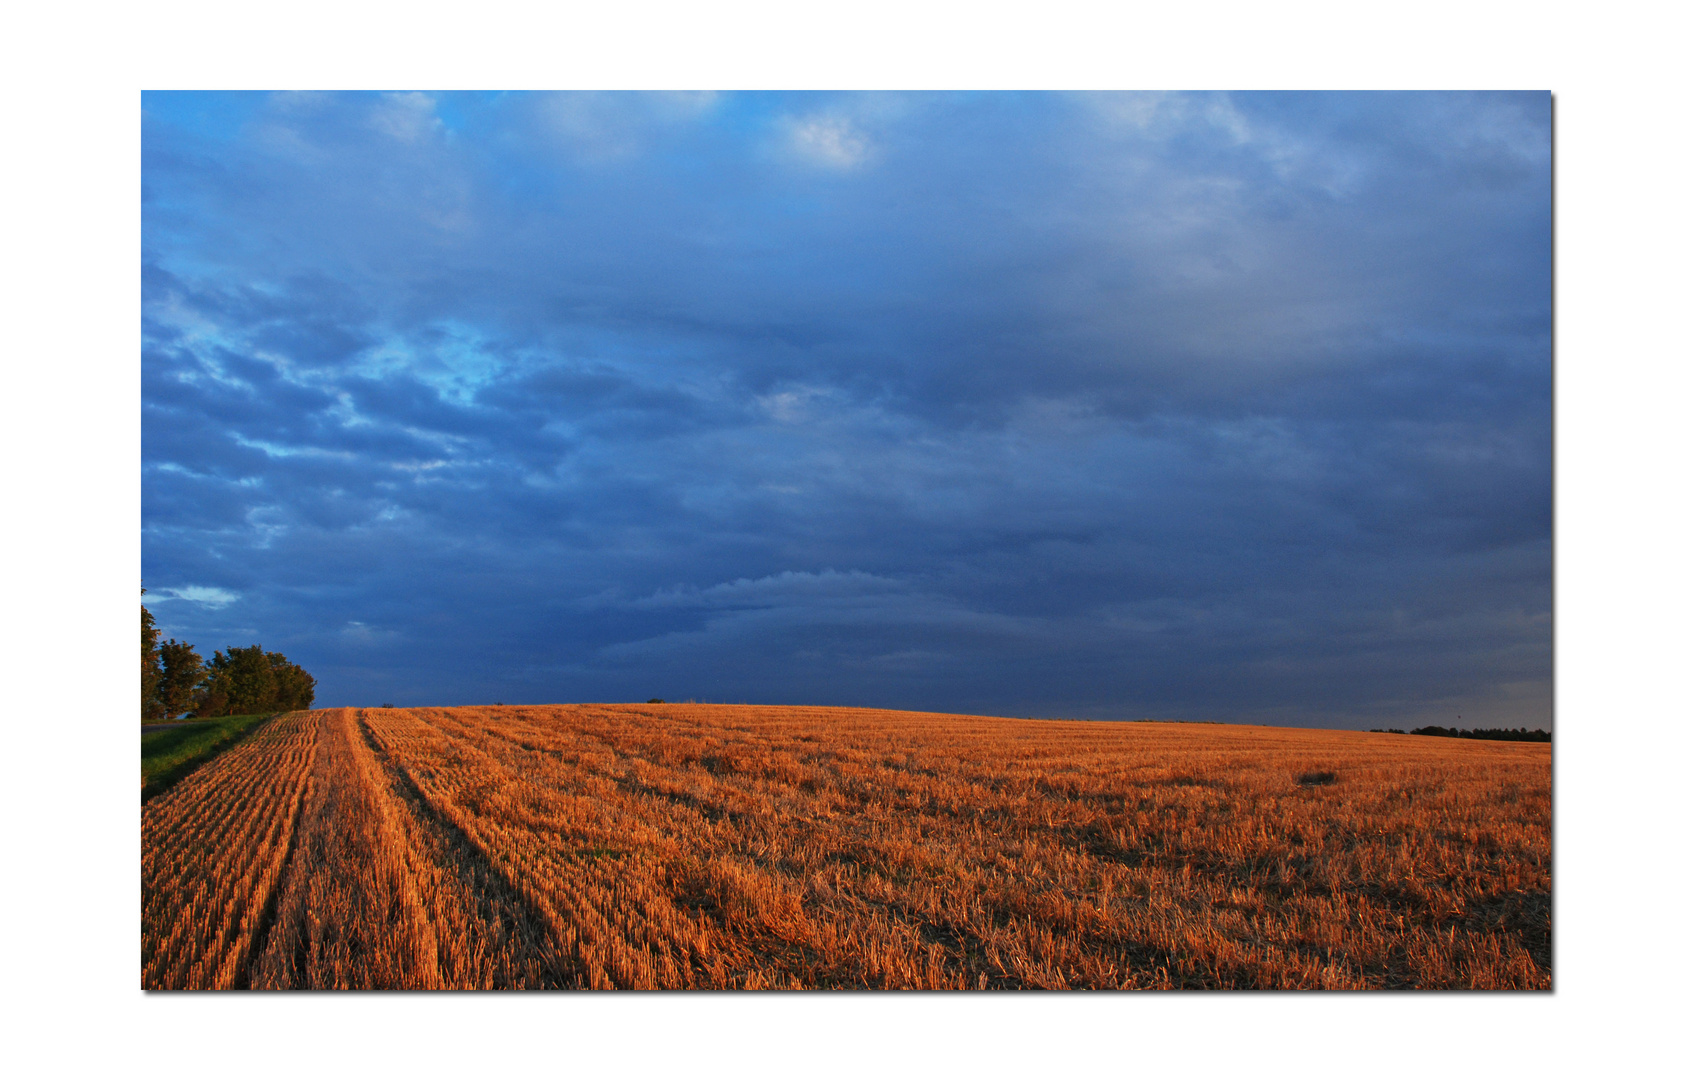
x=168, y=756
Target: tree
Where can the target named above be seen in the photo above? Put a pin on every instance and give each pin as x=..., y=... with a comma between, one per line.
x=211, y=697
x=181, y=674
x=241, y=683
x=250, y=680
x=150, y=673
x=245, y=681
x=295, y=688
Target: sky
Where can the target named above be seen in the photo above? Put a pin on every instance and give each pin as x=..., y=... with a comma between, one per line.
x=1194, y=406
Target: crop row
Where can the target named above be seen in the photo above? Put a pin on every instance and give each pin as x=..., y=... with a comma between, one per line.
x=676, y=846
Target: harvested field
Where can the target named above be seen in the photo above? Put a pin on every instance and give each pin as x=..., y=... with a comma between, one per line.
x=170, y=752
x=718, y=846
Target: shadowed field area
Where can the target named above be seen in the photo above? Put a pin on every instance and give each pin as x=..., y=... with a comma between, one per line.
x=720, y=846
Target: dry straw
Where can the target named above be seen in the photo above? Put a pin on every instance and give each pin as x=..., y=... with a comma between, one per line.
x=720, y=846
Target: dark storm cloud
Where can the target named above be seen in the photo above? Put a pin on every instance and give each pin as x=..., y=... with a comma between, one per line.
x=1200, y=405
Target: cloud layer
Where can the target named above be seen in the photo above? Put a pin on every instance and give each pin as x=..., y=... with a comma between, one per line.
x=1218, y=406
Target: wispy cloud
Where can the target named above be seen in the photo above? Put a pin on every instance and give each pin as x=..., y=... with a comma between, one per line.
x=1195, y=404
x=830, y=140
x=207, y=595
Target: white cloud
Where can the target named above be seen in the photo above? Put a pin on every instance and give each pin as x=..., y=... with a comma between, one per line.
x=1138, y=109
x=684, y=104
x=203, y=594
x=777, y=590
x=406, y=117
x=831, y=141
x=1162, y=115
x=612, y=125
x=792, y=406
x=360, y=633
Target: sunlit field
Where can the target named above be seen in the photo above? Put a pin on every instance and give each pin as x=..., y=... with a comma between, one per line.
x=720, y=846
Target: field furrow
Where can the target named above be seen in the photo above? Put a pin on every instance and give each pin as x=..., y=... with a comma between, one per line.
x=213, y=850
x=693, y=846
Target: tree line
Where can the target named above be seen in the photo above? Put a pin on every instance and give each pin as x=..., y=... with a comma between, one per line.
x=1494, y=734
x=240, y=682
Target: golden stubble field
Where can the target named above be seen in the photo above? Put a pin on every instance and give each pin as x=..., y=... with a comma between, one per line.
x=721, y=846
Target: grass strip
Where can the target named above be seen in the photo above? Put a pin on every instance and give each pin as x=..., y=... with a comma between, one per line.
x=168, y=756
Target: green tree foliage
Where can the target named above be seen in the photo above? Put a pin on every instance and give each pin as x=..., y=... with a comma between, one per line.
x=174, y=680
x=251, y=680
x=237, y=683
x=295, y=689
x=182, y=671
x=150, y=671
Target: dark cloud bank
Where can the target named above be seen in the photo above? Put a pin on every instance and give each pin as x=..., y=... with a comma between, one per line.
x=1231, y=407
